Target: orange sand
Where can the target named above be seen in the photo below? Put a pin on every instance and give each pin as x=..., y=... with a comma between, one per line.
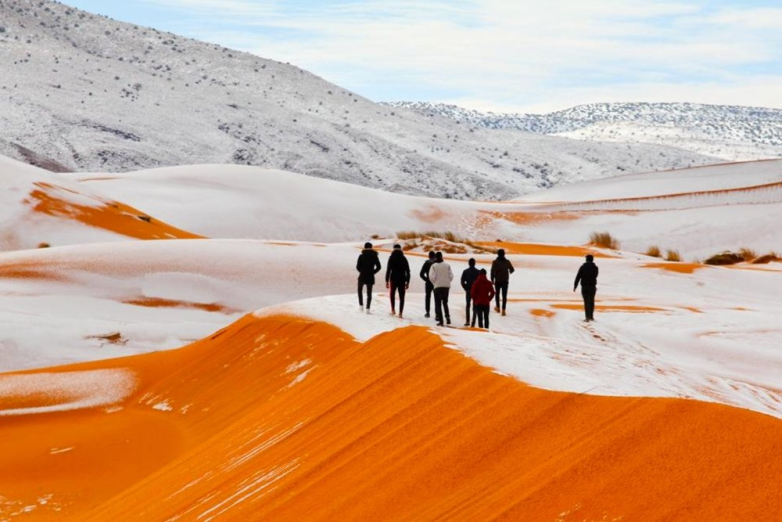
x=536, y=249
x=157, y=302
x=398, y=428
x=109, y=215
x=609, y=308
x=28, y=270
x=430, y=214
x=539, y=312
x=533, y=218
x=681, y=268
x=754, y=188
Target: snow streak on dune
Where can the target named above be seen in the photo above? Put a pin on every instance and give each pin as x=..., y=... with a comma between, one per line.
x=286, y=419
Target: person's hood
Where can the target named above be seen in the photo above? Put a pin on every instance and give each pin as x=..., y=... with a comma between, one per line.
x=500, y=255
x=369, y=251
x=397, y=253
x=481, y=278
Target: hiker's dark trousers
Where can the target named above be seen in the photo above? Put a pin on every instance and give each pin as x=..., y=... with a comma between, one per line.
x=588, y=293
x=468, y=302
x=428, y=302
x=502, y=288
x=441, y=304
x=369, y=286
x=482, y=313
x=398, y=287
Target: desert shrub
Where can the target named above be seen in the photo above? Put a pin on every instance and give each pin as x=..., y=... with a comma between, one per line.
x=431, y=234
x=44, y=245
x=747, y=253
x=766, y=258
x=452, y=249
x=407, y=234
x=672, y=255
x=653, y=251
x=603, y=240
x=725, y=258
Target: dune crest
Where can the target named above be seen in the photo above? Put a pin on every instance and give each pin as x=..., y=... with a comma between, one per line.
x=281, y=418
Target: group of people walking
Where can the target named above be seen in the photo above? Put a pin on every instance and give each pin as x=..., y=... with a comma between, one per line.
x=479, y=286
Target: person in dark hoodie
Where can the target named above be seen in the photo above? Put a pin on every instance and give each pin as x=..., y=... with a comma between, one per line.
x=587, y=276
x=501, y=269
x=468, y=278
x=368, y=265
x=482, y=292
x=397, y=278
x=428, y=286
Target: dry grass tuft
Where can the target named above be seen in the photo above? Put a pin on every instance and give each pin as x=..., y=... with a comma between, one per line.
x=673, y=255
x=653, y=251
x=408, y=234
x=725, y=258
x=44, y=245
x=748, y=254
x=603, y=240
x=767, y=258
x=447, y=242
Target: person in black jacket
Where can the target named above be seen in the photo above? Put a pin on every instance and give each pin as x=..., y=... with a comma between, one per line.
x=428, y=286
x=501, y=269
x=397, y=278
x=368, y=265
x=587, y=276
x=468, y=278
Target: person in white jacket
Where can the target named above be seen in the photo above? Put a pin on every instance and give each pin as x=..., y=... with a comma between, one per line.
x=441, y=275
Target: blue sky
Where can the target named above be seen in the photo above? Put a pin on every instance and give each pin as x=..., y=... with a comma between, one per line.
x=501, y=55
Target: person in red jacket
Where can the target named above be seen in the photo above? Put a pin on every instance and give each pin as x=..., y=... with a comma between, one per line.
x=482, y=292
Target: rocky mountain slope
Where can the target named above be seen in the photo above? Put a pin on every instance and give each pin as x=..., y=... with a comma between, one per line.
x=82, y=92
x=725, y=131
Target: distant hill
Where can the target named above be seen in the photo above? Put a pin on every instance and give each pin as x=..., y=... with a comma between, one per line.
x=82, y=92
x=725, y=131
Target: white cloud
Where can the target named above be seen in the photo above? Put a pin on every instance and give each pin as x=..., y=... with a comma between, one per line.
x=520, y=53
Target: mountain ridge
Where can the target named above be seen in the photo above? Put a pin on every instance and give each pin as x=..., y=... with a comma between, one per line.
x=86, y=93
x=743, y=132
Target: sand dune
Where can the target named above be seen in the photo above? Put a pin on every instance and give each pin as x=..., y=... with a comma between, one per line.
x=667, y=408
x=284, y=419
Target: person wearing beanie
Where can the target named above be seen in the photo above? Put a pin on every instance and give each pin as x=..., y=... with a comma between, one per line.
x=501, y=269
x=397, y=278
x=424, y=274
x=482, y=292
x=441, y=275
x=468, y=278
x=368, y=265
x=587, y=276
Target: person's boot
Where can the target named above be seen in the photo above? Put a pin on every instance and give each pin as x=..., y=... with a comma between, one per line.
x=426, y=315
x=497, y=309
x=503, y=313
x=393, y=312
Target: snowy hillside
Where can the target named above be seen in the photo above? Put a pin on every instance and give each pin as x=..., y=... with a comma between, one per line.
x=728, y=132
x=86, y=93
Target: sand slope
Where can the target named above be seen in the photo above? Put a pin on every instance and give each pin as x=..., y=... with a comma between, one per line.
x=284, y=419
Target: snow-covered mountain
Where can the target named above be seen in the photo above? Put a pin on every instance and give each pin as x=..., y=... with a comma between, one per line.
x=725, y=131
x=86, y=93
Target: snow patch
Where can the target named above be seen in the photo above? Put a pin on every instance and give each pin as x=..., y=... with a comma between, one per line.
x=55, y=392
